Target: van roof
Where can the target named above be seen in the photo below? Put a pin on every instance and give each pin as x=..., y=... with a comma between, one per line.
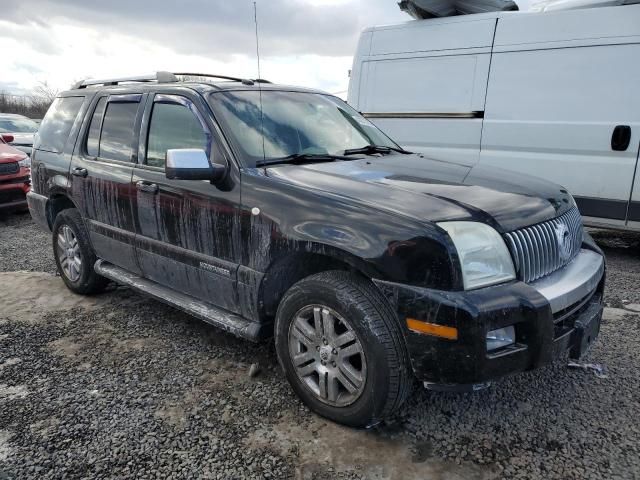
x=501, y=14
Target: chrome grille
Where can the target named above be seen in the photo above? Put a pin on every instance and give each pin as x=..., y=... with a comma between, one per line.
x=8, y=168
x=544, y=248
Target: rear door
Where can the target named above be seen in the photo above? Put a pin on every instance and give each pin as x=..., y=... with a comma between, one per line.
x=101, y=172
x=187, y=229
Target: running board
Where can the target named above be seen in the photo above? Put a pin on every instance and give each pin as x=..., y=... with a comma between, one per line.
x=218, y=317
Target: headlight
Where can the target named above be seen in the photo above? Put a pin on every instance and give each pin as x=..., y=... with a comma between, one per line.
x=25, y=163
x=484, y=256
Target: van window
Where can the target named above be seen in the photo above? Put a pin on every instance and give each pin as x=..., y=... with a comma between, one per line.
x=57, y=123
x=93, y=138
x=172, y=126
x=116, y=140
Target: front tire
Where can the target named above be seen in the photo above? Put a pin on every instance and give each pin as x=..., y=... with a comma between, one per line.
x=340, y=346
x=74, y=254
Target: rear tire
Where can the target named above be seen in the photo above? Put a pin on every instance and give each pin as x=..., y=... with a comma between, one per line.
x=74, y=254
x=341, y=348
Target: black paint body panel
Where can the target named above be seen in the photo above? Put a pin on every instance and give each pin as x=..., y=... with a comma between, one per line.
x=231, y=243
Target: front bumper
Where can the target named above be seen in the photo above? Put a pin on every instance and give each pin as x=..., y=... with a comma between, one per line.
x=556, y=314
x=13, y=190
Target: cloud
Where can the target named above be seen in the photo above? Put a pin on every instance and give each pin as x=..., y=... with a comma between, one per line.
x=304, y=42
x=215, y=27
x=307, y=42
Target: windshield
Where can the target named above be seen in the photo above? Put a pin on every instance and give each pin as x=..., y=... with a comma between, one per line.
x=17, y=125
x=292, y=123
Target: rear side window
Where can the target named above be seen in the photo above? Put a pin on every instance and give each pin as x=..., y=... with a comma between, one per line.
x=93, y=139
x=57, y=123
x=116, y=139
x=172, y=126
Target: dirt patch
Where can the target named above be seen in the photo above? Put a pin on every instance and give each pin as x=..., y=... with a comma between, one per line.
x=10, y=362
x=11, y=392
x=323, y=446
x=32, y=294
x=5, y=448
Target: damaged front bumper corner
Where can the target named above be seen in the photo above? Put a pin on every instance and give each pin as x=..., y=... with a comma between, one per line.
x=558, y=314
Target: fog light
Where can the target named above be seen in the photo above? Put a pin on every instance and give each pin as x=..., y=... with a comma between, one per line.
x=501, y=337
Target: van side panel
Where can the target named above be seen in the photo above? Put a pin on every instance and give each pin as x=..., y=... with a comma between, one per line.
x=634, y=206
x=424, y=83
x=552, y=105
x=362, y=51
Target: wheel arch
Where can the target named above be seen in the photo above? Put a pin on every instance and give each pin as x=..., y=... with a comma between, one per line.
x=58, y=201
x=288, y=269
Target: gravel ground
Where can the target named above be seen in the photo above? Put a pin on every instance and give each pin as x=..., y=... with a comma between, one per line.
x=23, y=245
x=119, y=386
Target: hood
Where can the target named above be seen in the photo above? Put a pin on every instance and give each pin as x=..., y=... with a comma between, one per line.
x=10, y=154
x=23, y=139
x=431, y=190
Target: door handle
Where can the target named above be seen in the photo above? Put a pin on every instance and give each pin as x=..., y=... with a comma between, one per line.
x=79, y=172
x=621, y=138
x=146, y=187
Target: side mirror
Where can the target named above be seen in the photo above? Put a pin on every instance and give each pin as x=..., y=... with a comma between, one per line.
x=7, y=137
x=192, y=164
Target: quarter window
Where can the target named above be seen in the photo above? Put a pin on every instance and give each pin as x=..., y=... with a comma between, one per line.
x=116, y=140
x=57, y=123
x=173, y=126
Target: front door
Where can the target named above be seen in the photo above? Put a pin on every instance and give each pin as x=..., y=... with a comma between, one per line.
x=101, y=171
x=187, y=229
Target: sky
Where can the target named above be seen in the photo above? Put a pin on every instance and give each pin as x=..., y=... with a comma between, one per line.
x=302, y=42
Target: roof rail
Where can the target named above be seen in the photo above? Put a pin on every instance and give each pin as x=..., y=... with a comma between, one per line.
x=160, y=77
x=246, y=81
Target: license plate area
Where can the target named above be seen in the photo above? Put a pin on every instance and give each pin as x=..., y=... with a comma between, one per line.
x=586, y=330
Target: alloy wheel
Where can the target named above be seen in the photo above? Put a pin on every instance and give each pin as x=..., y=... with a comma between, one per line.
x=327, y=355
x=69, y=253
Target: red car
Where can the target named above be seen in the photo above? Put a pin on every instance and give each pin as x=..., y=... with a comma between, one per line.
x=15, y=176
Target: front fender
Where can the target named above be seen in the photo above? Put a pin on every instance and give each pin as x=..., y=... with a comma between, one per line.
x=286, y=220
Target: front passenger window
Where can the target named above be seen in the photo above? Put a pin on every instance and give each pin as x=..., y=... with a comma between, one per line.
x=172, y=126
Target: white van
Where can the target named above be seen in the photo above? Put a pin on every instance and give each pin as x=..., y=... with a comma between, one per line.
x=553, y=94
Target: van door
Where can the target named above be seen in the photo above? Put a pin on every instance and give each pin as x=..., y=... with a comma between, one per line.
x=564, y=105
x=424, y=84
x=187, y=229
x=633, y=216
x=101, y=171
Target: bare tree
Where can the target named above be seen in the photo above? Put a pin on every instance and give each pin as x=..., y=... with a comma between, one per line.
x=33, y=106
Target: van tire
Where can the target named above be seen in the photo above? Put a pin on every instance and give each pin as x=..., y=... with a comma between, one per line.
x=83, y=280
x=357, y=302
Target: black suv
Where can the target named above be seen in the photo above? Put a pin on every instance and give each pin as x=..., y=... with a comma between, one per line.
x=279, y=211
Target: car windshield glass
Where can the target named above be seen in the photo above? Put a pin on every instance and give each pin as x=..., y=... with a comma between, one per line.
x=18, y=125
x=292, y=123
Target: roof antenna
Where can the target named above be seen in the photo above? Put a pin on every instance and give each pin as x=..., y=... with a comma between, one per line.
x=255, y=19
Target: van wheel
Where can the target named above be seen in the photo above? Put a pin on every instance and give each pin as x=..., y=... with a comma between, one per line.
x=74, y=255
x=340, y=346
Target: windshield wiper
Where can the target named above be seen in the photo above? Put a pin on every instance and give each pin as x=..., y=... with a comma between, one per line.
x=298, y=158
x=371, y=149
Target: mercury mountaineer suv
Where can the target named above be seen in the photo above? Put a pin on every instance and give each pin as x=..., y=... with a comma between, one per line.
x=279, y=211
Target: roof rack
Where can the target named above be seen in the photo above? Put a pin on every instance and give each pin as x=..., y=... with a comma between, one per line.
x=246, y=81
x=161, y=77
